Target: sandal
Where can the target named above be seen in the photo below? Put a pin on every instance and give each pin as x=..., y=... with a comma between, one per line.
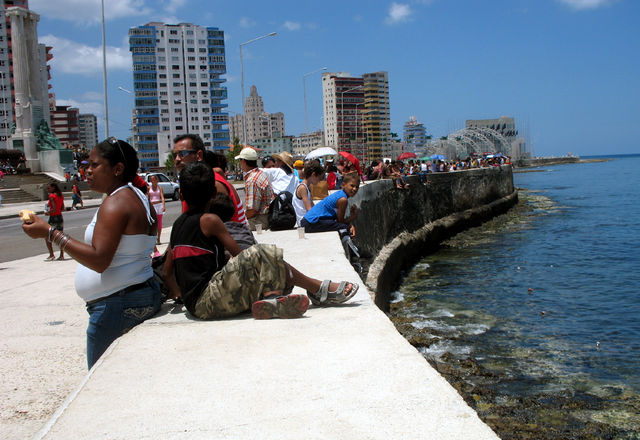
x=285, y=307
x=50, y=259
x=324, y=297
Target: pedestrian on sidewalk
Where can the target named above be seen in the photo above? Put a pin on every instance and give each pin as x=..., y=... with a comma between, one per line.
x=114, y=274
x=55, y=206
x=76, y=197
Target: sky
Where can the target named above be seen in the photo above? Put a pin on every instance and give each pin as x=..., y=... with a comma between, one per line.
x=568, y=71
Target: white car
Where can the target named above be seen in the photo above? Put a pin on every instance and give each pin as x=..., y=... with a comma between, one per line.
x=169, y=188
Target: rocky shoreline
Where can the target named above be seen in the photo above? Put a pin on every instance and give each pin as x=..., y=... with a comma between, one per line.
x=552, y=414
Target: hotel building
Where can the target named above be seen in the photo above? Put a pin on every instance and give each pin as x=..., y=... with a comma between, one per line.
x=178, y=87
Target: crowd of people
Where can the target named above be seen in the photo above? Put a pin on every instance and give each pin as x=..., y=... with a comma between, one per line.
x=212, y=264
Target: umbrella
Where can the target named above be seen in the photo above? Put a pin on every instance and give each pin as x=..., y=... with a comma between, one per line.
x=438, y=157
x=354, y=160
x=407, y=155
x=322, y=151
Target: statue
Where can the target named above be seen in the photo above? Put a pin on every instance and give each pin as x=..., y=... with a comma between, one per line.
x=45, y=139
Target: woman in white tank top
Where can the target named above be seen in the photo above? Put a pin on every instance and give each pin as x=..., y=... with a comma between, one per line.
x=302, y=201
x=114, y=276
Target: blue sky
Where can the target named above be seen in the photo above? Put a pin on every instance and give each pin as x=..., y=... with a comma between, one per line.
x=567, y=70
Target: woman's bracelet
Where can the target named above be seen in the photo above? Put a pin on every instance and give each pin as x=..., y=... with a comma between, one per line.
x=50, y=238
x=61, y=239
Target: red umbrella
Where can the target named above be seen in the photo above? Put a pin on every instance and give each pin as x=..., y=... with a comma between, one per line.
x=351, y=158
x=407, y=155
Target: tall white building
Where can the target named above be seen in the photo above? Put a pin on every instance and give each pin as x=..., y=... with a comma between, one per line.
x=259, y=124
x=88, y=134
x=178, y=87
x=414, y=136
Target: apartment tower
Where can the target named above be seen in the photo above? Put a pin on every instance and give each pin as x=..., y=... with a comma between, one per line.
x=259, y=124
x=356, y=113
x=178, y=88
x=88, y=134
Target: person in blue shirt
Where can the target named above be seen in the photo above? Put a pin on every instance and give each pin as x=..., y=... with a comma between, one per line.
x=330, y=213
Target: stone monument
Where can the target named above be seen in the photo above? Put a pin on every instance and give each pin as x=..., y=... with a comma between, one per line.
x=31, y=94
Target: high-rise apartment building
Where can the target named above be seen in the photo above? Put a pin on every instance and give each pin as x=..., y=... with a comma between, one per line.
x=178, y=87
x=356, y=113
x=64, y=124
x=259, y=124
x=88, y=134
x=377, y=120
x=414, y=136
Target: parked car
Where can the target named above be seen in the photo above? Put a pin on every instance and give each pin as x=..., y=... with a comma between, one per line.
x=169, y=188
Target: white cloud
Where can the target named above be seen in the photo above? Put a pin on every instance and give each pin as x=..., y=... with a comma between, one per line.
x=586, y=4
x=398, y=13
x=89, y=12
x=95, y=107
x=246, y=22
x=93, y=96
x=292, y=25
x=174, y=5
x=78, y=58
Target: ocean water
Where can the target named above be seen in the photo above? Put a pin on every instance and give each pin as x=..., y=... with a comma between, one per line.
x=545, y=299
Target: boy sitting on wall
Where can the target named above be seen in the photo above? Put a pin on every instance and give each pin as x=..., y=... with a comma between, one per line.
x=256, y=279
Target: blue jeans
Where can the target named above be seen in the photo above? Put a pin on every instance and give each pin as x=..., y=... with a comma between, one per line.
x=111, y=317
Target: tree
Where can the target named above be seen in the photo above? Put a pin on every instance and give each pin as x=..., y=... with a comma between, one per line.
x=235, y=149
x=170, y=163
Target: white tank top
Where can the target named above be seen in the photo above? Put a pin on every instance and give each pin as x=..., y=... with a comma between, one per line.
x=298, y=204
x=131, y=263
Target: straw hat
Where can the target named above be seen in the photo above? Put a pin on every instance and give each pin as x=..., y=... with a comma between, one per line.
x=286, y=158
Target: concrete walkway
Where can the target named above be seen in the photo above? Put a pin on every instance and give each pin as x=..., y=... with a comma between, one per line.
x=338, y=373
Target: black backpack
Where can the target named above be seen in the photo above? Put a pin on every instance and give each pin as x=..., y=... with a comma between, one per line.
x=282, y=215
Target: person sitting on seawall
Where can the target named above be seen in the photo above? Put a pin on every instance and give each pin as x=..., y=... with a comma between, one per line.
x=281, y=177
x=334, y=178
x=55, y=206
x=302, y=200
x=114, y=274
x=255, y=279
x=237, y=223
x=330, y=213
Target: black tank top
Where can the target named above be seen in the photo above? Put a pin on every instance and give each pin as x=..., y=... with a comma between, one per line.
x=196, y=257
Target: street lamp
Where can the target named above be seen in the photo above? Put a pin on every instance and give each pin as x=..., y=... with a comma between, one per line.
x=342, y=109
x=133, y=109
x=104, y=75
x=244, y=116
x=304, y=88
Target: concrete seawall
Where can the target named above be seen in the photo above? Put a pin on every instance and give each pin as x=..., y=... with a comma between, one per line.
x=397, y=227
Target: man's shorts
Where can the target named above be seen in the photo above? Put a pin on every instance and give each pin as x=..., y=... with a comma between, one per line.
x=242, y=281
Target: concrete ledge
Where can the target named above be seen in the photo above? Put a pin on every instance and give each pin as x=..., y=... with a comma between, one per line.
x=339, y=373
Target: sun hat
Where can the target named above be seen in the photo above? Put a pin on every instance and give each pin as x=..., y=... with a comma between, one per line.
x=286, y=158
x=248, y=154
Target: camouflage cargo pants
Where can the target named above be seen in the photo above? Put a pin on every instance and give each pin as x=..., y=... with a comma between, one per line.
x=242, y=281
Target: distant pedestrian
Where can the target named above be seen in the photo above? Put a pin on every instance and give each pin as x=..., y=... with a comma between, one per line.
x=55, y=206
x=76, y=197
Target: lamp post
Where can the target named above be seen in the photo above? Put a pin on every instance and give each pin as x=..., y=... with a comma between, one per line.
x=133, y=109
x=104, y=76
x=244, y=114
x=342, y=109
x=304, y=89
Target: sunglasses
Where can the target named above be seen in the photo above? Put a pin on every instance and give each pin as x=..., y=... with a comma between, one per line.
x=184, y=153
x=114, y=141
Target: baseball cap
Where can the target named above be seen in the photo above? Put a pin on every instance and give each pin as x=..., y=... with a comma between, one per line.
x=248, y=154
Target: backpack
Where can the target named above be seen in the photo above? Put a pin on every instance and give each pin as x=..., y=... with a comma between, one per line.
x=282, y=215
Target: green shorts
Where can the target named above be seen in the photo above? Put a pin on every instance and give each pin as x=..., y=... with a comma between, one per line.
x=242, y=281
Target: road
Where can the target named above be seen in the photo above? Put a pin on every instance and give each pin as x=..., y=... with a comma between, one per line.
x=15, y=244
